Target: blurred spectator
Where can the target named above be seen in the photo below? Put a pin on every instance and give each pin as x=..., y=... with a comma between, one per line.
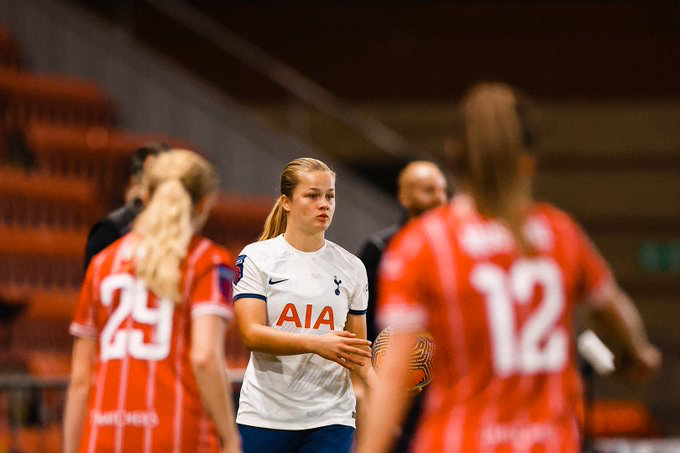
x=118, y=223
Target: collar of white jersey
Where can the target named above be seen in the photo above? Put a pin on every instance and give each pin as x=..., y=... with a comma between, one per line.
x=290, y=247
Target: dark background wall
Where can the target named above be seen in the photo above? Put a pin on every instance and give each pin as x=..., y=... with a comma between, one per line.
x=434, y=49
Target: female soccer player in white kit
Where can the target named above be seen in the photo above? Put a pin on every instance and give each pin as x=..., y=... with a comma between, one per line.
x=300, y=303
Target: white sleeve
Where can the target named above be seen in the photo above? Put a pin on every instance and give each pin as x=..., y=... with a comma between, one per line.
x=358, y=303
x=248, y=282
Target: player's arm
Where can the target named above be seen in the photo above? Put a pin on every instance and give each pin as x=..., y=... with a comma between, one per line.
x=611, y=306
x=615, y=309
x=356, y=324
x=75, y=413
x=342, y=347
x=363, y=378
x=208, y=364
x=387, y=402
x=400, y=280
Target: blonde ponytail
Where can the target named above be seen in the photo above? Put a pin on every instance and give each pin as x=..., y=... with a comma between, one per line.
x=275, y=223
x=277, y=219
x=165, y=230
x=176, y=182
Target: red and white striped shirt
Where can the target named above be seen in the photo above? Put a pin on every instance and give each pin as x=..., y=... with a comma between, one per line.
x=145, y=397
x=504, y=375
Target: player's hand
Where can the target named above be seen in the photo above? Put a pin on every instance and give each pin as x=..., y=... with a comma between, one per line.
x=642, y=362
x=365, y=374
x=343, y=348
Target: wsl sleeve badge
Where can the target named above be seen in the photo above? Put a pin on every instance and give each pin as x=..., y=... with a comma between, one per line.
x=239, y=268
x=227, y=277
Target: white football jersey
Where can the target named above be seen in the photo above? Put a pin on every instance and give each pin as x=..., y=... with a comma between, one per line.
x=306, y=292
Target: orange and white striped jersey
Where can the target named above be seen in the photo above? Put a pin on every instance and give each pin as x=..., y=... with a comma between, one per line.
x=505, y=377
x=145, y=397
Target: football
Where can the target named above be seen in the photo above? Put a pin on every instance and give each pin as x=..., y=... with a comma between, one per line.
x=420, y=366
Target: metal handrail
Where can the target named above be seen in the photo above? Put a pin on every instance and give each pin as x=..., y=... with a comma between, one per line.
x=23, y=381
x=289, y=79
x=27, y=381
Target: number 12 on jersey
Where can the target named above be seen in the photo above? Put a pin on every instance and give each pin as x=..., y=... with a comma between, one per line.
x=117, y=340
x=540, y=345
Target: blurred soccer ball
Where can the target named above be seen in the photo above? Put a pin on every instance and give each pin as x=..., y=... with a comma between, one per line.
x=420, y=366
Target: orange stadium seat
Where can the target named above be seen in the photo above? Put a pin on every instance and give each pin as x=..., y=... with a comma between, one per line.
x=51, y=304
x=237, y=220
x=54, y=99
x=41, y=241
x=47, y=364
x=33, y=200
x=42, y=268
x=45, y=439
x=95, y=154
x=40, y=258
x=622, y=419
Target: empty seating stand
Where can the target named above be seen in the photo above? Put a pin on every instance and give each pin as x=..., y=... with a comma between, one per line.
x=96, y=154
x=237, y=220
x=41, y=257
x=76, y=172
x=33, y=200
x=42, y=236
x=53, y=99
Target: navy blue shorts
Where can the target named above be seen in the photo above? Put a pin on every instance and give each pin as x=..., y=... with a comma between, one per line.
x=325, y=439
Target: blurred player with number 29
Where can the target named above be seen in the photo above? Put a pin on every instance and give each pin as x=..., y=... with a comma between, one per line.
x=151, y=318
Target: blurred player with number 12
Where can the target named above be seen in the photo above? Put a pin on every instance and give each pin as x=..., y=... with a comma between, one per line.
x=494, y=277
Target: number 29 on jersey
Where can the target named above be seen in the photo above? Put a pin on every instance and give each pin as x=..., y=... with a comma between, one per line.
x=119, y=338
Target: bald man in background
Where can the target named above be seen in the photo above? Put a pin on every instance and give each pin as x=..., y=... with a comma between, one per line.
x=421, y=187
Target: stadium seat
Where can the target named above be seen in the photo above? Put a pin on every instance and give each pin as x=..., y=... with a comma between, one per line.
x=44, y=303
x=54, y=99
x=40, y=257
x=41, y=241
x=622, y=419
x=237, y=220
x=97, y=154
x=33, y=200
x=43, y=439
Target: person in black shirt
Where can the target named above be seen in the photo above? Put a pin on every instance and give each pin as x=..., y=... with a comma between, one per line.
x=119, y=222
x=421, y=187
